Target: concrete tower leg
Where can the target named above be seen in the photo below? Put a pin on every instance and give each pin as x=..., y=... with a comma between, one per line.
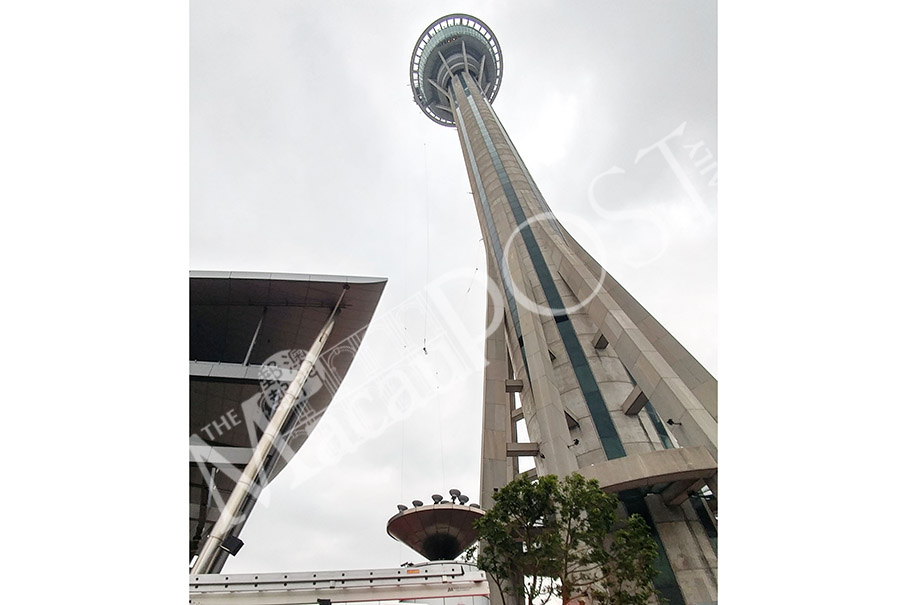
x=496, y=472
x=497, y=428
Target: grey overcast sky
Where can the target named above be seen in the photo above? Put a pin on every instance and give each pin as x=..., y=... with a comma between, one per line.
x=308, y=155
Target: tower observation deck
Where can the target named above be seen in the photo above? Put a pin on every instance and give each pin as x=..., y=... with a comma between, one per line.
x=604, y=389
x=453, y=44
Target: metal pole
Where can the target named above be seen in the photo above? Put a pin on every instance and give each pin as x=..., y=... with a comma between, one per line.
x=255, y=336
x=227, y=517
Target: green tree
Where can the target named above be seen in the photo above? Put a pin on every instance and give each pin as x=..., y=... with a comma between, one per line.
x=565, y=538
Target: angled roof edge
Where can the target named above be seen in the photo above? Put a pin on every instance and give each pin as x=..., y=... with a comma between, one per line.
x=312, y=277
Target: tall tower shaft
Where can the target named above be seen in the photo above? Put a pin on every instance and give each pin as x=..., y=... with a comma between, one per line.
x=604, y=389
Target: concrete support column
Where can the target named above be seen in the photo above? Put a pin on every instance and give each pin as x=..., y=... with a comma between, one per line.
x=496, y=471
x=687, y=547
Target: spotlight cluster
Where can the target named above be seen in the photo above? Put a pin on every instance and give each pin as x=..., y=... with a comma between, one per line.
x=456, y=497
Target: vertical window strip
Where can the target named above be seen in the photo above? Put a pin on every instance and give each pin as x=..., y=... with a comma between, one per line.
x=506, y=278
x=535, y=190
x=659, y=427
x=710, y=530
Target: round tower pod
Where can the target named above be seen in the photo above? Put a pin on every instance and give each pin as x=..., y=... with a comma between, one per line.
x=439, y=532
x=450, y=45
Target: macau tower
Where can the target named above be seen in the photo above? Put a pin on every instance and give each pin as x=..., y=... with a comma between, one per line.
x=603, y=388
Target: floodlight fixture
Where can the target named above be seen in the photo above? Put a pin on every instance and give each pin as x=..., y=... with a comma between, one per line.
x=231, y=544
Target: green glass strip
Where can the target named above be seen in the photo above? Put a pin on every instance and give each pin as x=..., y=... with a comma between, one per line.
x=506, y=278
x=659, y=427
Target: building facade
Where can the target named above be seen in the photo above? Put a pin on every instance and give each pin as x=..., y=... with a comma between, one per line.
x=603, y=388
x=251, y=335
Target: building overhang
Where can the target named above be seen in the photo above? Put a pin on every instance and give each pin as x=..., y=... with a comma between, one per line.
x=678, y=470
x=248, y=334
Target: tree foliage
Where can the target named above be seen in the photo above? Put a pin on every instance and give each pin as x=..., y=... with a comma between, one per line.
x=568, y=531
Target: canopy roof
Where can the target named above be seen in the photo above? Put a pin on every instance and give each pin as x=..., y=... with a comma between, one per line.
x=248, y=333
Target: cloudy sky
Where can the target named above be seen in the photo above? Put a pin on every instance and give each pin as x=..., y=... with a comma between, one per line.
x=308, y=155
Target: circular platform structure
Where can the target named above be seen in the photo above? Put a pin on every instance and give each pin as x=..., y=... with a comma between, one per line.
x=450, y=45
x=438, y=532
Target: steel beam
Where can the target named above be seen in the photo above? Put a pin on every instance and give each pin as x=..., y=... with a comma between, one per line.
x=514, y=385
x=442, y=108
x=438, y=86
x=523, y=449
x=634, y=402
x=447, y=65
x=679, y=491
x=261, y=319
x=532, y=474
x=406, y=583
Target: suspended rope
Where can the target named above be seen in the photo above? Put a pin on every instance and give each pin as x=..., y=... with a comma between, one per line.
x=427, y=245
x=441, y=442
x=474, y=273
x=425, y=296
x=402, y=457
x=405, y=268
